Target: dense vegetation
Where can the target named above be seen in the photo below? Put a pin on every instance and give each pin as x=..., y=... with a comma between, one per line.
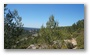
x=50, y=37
x=12, y=27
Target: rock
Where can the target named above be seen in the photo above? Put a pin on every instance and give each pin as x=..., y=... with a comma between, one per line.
x=74, y=42
x=57, y=44
x=31, y=47
x=75, y=47
x=17, y=42
x=71, y=41
x=54, y=42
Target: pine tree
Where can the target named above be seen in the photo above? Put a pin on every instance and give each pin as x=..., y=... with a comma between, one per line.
x=51, y=23
x=12, y=27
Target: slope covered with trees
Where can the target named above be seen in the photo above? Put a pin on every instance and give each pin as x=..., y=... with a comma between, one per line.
x=53, y=33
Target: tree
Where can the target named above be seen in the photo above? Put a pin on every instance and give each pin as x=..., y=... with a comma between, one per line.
x=51, y=23
x=12, y=27
x=80, y=24
x=50, y=33
x=42, y=30
x=74, y=27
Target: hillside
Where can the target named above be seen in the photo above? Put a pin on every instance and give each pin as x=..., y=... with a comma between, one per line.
x=29, y=28
x=61, y=37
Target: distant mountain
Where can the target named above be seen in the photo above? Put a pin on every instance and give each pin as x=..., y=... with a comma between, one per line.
x=29, y=28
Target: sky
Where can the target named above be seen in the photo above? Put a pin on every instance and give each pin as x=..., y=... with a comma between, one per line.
x=36, y=15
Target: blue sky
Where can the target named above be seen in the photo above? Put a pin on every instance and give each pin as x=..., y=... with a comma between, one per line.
x=35, y=15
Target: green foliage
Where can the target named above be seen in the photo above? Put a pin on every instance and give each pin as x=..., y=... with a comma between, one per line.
x=51, y=32
x=74, y=31
x=51, y=23
x=79, y=33
x=78, y=25
x=12, y=28
x=80, y=39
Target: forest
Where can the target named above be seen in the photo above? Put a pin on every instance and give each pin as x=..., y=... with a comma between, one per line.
x=52, y=36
